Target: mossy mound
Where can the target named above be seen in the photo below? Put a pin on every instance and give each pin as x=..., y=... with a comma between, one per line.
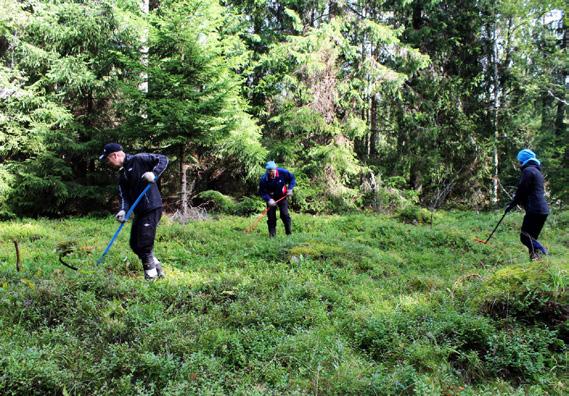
x=416, y=215
x=534, y=293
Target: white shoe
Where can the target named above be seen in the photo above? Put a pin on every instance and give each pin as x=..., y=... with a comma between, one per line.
x=151, y=274
x=159, y=269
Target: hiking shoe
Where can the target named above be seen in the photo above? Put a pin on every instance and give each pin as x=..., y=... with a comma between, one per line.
x=159, y=270
x=535, y=256
x=151, y=274
x=538, y=247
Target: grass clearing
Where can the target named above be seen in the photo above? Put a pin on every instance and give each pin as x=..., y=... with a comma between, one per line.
x=356, y=304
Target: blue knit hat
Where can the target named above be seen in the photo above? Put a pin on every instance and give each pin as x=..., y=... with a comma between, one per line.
x=270, y=165
x=526, y=155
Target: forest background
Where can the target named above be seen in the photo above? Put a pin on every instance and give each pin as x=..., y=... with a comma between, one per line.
x=372, y=104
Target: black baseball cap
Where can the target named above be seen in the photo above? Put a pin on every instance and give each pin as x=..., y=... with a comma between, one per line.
x=109, y=149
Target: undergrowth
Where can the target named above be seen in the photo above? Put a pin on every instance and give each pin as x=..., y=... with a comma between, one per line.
x=358, y=304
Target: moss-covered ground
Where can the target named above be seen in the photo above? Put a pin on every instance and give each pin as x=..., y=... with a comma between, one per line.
x=356, y=304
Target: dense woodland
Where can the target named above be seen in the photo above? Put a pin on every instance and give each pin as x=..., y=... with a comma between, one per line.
x=372, y=104
x=401, y=109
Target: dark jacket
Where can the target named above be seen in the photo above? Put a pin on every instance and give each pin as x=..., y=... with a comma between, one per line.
x=131, y=182
x=276, y=188
x=530, y=192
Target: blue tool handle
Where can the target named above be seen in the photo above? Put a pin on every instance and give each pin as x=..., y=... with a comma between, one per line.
x=100, y=260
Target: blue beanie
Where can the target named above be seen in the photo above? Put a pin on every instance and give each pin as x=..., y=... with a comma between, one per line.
x=270, y=165
x=526, y=155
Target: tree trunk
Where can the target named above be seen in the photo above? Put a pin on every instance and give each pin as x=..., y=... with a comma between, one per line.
x=560, y=125
x=334, y=9
x=496, y=105
x=185, y=190
x=415, y=177
x=417, y=15
x=374, y=128
x=183, y=181
x=143, y=86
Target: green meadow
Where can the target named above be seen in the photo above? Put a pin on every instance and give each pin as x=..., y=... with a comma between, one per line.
x=356, y=304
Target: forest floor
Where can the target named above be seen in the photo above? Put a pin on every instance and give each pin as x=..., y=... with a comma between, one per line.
x=354, y=304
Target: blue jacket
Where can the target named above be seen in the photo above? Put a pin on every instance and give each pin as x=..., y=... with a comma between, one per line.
x=276, y=188
x=131, y=182
x=530, y=193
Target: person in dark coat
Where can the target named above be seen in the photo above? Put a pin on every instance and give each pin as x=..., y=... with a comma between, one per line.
x=531, y=196
x=135, y=172
x=275, y=187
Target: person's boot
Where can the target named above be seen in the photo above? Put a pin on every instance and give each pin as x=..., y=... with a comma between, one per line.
x=272, y=232
x=150, y=272
x=158, y=267
x=288, y=228
x=538, y=247
x=534, y=256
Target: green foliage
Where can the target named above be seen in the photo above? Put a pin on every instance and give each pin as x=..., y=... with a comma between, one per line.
x=23, y=232
x=415, y=215
x=40, y=186
x=243, y=149
x=218, y=201
x=221, y=203
x=406, y=89
x=366, y=302
x=194, y=108
x=536, y=293
x=522, y=355
x=71, y=74
x=305, y=82
x=249, y=206
x=64, y=62
x=6, y=180
x=376, y=105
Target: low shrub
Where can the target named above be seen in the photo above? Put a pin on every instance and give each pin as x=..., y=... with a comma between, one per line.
x=415, y=215
x=249, y=206
x=522, y=354
x=218, y=201
x=533, y=293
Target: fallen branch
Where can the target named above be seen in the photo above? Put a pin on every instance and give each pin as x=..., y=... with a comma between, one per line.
x=504, y=190
x=557, y=98
x=18, y=258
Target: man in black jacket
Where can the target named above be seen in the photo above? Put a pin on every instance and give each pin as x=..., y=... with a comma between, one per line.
x=531, y=196
x=135, y=172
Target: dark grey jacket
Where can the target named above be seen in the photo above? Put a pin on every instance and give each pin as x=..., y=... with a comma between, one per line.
x=131, y=182
x=530, y=193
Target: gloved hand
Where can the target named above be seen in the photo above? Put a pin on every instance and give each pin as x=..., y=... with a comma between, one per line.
x=272, y=203
x=289, y=193
x=149, y=177
x=120, y=216
x=510, y=206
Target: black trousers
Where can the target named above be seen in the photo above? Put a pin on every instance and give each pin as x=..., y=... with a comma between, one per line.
x=531, y=228
x=285, y=217
x=142, y=236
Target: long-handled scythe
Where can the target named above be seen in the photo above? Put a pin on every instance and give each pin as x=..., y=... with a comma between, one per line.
x=255, y=223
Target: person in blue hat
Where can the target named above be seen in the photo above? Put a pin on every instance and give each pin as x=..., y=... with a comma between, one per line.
x=531, y=196
x=135, y=172
x=275, y=187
